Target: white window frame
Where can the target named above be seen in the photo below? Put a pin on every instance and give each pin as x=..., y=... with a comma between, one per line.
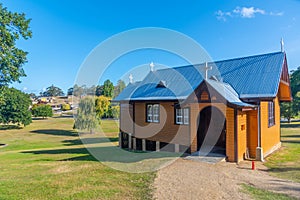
x=153, y=113
x=182, y=116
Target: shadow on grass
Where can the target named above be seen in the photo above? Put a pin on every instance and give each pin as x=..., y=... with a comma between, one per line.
x=105, y=154
x=291, y=136
x=291, y=141
x=291, y=125
x=63, y=116
x=9, y=127
x=89, y=141
x=57, y=132
x=284, y=169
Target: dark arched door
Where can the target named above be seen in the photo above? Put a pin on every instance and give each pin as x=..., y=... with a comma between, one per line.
x=213, y=122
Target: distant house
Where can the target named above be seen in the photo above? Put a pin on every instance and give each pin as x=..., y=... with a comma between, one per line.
x=236, y=100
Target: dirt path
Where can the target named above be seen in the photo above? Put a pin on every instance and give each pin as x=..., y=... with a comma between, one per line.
x=186, y=179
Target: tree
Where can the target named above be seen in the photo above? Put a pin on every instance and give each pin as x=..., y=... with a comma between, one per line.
x=102, y=104
x=99, y=90
x=15, y=107
x=42, y=110
x=86, y=117
x=13, y=26
x=70, y=91
x=295, y=81
x=119, y=87
x=115, y=111
x=53, y=91
x=291, y=109
x=32, y=95
x=108, y=89
x=77, y=91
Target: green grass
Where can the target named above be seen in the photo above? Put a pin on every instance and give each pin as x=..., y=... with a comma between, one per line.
x=286, y=162
x=47, y=160
x=260, y=194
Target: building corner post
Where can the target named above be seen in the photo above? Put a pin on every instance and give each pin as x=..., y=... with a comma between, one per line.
x=259, y=149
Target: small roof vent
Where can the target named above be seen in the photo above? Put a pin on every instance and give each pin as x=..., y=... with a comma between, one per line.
x=162, y=84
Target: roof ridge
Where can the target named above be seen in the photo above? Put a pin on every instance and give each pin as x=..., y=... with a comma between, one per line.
x=239, y=58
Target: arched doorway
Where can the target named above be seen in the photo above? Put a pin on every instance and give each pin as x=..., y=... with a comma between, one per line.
x=212, y=129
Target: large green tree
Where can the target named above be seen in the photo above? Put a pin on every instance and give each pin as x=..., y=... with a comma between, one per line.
x=102, y=105
x=13, y=26
x=15, y=107
x=119, y=87
x=85, y=118
x=108, y=89
x=53, y=91
x=290, y=110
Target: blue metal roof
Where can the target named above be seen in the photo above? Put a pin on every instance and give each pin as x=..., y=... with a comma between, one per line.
x=249, y=77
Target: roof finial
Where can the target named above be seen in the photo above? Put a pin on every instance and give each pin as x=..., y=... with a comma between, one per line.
x=152, y=66
x=130, y=78
x=206, y=70
x=282, y=45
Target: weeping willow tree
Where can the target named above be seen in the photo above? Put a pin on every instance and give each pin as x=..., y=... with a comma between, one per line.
x=85, y=119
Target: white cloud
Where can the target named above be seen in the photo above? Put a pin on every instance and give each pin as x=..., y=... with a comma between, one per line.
x=222, y=15
x=244, y=12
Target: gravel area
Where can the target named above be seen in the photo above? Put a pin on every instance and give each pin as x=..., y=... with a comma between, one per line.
x=187, y=179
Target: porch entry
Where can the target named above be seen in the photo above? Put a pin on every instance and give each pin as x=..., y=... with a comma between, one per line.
x=211, y=130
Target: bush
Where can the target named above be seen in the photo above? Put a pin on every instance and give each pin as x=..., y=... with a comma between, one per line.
x=42, y=110
x=65, y=107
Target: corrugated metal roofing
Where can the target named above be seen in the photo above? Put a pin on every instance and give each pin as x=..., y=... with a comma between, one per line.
x=248, y=77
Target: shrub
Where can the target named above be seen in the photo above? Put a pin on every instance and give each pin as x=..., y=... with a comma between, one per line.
x=41, y=110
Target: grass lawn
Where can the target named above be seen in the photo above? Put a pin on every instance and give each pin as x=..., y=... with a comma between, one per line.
x=260, y=194
x=286, y=162
x=46, y=160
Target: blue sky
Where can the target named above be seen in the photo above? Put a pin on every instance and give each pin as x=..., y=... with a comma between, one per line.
x=65, y=32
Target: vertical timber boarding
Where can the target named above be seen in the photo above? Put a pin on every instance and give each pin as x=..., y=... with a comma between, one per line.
x=241, y=135
x=270, y=136
x=252, y=132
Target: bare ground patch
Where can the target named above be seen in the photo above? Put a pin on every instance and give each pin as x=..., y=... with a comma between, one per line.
x=186, y=179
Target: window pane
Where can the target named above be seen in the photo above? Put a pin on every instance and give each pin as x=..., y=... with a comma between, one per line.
x=149, y=113
x=186, y=115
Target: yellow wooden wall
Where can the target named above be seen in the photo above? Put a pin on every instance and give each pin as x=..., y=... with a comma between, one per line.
x=270, y=136
x=230, y=151
x=252, y=133
x=242, y=135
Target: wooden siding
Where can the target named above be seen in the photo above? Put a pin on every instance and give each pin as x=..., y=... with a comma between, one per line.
x=126, y=118
x=252, y=131
x=242, y=135
x=230, y=151
x=164, y=131
x=196, y=108
x=270, y=136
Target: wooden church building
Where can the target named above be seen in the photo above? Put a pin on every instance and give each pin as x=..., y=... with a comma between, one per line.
x=229, y=106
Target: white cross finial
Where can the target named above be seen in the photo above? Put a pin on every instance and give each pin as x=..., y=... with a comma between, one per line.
x=152, y=66
x=130, y=78
x=206, y=70
x=282, y=45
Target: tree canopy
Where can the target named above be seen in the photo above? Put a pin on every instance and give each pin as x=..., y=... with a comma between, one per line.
x=53, y=91
x=108, y=89
x=119, y=87
x=15, y=107
x=13, y=26
x=290, y=110
x=86, y=116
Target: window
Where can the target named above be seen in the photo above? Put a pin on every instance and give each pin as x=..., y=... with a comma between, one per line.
x=182, y=116
x=152, y=112
x=271, y=113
